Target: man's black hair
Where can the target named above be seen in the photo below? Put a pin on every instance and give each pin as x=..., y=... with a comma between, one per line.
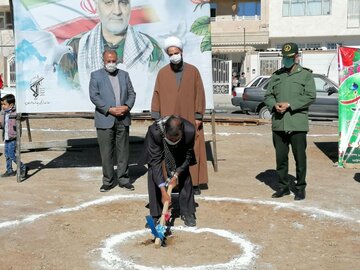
x=174, y=126
x=9, y=98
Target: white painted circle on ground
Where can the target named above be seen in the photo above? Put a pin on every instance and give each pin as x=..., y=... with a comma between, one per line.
x=112, y=260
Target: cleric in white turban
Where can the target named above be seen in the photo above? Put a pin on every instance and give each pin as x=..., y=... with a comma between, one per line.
x=179, y=90
x=173, y=42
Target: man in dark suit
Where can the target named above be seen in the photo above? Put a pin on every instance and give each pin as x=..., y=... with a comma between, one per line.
x=112, y=93
x=170, y=141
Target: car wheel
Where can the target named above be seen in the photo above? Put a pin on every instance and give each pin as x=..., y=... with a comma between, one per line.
x=264, y=113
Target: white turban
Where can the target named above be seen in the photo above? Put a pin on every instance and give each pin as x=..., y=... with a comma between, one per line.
x=173, y=42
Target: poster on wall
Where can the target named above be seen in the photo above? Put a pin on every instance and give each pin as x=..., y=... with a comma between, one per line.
x=349, y=107
x=58, y=43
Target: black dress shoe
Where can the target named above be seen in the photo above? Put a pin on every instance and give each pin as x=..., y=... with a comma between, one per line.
x=280, y=193
x=204, y=186
x=197, y=190
x=106, y=188
x=300, y=195
x=8, y=174
x=189, y=220
x=128, y=186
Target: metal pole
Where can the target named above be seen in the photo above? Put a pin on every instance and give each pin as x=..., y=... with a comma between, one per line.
x=214, y=140
x=18, y=150
x=28, y=129
x=244, y=40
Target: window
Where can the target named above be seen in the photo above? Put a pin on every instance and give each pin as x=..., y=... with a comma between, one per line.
x=301, y=46
x=297, y=7
x=306, y=7
x=256, y=82
x=10, y=68
x=249, y=8
x=353, y=16
x=326, y=7
x=332, y=45
x=313, y=45
x=314, y=7
x=268, y=66
x=266, y=85
x=304, y=46
x=286, y=8
x=213, y=8
x=5, y=20
x=320, y=84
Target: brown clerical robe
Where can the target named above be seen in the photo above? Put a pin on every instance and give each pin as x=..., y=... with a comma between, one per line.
x=186, y=101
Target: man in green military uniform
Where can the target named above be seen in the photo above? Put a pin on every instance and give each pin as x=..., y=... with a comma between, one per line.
x=290, y=93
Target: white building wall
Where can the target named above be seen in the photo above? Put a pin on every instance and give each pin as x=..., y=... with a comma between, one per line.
x=4, y=3
x=321, y=63
x=322, y=29
x=253, y=69
x=334, y=24
x=6, y=44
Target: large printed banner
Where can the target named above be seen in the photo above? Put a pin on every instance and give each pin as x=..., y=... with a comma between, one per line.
x=349, y=107
x=58, y=43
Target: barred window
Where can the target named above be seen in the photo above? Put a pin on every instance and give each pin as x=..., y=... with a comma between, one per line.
x=5, y=20
x=10, y=79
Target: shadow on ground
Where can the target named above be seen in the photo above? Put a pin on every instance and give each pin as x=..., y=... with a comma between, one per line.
x=85, y=153
x=88, y=155
x=270, y=178
x=330, y=149
x=357, y=177
x=238, y=112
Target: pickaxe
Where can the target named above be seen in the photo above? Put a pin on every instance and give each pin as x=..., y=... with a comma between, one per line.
x=159, y=230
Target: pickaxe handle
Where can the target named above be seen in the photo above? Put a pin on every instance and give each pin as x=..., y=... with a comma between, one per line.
x=162, y=218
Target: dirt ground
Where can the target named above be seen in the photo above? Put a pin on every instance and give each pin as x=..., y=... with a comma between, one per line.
x=58, y=219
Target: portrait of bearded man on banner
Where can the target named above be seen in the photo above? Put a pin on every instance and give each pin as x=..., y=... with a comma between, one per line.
x=138, y=53
x=62, y=41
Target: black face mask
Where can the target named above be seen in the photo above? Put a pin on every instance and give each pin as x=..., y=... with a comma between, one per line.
x=177, y=67
x=114, y=73
x=174, y=147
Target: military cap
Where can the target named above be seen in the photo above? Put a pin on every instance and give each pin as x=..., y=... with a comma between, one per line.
x=289, y=49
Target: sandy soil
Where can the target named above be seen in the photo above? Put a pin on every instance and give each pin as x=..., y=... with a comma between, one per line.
x=58, y=219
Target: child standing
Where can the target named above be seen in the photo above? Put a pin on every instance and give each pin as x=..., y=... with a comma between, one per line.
x=9, y=136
